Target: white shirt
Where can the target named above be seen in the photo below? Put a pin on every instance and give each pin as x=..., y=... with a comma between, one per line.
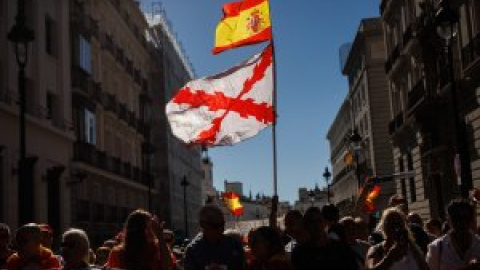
x=449, y=259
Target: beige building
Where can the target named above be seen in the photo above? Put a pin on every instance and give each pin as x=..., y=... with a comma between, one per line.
x=367, y=101
x=49, y=129
x=308, y=198
x=109, y=80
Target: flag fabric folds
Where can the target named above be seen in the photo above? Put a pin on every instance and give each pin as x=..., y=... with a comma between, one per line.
x=244, y=23
x=370, y=200
x=233, y=204
x=226, y=108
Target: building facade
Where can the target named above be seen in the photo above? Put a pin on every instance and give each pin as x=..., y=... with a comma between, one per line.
x=424, y=132
x=174, y=160
x=49, y=130
x=308, y=198
x=109, y=79
x=367, y=101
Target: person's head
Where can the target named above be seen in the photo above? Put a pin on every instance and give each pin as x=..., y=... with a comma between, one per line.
x=235, y=234
x=168, y=237
x=461, y=215
x=139, y=240
x=110, y=243
x=394, y=226
x=102, y=255
x=292, y=222
x=265, y=242
x=313, y=223
x=414, y=218
x=75, y=247
x=349, y=229
x=47, y=235
x=4, y=236
x=361, y=228
x=400, y=202
x=212, y=222
x=434, y=227
x=28, y=239
x=330, y=214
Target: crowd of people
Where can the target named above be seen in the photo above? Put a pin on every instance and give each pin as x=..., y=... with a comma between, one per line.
x=316, y=239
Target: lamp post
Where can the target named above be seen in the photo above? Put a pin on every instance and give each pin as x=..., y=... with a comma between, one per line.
x=185, y=184
x=21, y=35
x=445, y=19
x=355, y=140
x=327, y=176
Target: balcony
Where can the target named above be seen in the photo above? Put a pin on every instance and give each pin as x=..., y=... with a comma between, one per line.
x=132, y=120
x=107, y=44
x=396, y=123
x=416, y=95
x=87, y=153
x=392, y=58
x=471, y=52
x=407, y=36
x=136, y=76
x=80, y=79
x=123, y=112
x=109, y=102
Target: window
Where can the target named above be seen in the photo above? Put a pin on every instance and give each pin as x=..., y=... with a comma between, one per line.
x=411, y=180
x=90, y=127
x=50, y=36
x=85, y=59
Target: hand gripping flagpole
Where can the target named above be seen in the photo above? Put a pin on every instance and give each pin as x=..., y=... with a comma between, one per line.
x=273, y=213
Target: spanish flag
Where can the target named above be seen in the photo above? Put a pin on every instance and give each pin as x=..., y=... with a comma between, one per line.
x=244, y=23
x=370, y=200
x=233, y=203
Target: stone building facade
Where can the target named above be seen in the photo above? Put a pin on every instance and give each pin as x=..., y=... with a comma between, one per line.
x=49, y=128
x=110, y=83
x=367, y=103
x=173, y=160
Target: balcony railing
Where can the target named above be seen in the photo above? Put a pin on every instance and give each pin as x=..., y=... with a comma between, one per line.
x=123, y=112
x=396, y=123
x=416, y=94
x=471, y=52
x=87, y=153
x=392, y=58
x=407, y=36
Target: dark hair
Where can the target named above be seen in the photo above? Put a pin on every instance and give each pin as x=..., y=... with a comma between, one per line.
x=461, y=213
x=436, y=223
x=271, y=236
x=4, y=228
x=139, y=252
x=26, y=233
x=330, y=213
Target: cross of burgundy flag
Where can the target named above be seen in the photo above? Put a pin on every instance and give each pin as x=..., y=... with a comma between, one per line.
x=228, y=107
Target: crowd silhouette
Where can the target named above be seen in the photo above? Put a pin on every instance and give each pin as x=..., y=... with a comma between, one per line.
x=315, y=239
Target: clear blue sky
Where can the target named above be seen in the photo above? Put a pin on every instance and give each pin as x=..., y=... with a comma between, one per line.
x=308, y=34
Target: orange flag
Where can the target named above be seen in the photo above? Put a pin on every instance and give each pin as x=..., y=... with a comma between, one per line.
x=370, y=200
x=233, y=203
x=244, y=23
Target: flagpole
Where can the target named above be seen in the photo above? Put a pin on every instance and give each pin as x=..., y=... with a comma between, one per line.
x=273, y=213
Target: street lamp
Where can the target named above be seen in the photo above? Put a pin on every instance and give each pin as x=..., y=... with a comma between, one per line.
x=21, y=35
x=185, y=184
x=355, y=140
x=445, y=19
x=327, y=176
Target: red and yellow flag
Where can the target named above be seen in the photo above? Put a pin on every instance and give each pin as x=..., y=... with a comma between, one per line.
x=244, y=23
x=370, y=200
x=233, y=203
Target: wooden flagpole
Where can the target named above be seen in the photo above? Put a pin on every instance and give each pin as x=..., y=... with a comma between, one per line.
x=273, y=212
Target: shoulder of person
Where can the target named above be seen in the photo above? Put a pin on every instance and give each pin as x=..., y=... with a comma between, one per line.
x=435, y=243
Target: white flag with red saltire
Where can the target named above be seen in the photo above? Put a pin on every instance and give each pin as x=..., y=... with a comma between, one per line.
x=228, y=107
